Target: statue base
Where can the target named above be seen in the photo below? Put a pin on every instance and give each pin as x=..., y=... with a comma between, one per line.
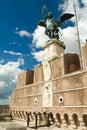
x=53, y=48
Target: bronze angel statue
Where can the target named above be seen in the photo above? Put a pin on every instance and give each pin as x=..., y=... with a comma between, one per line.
x=51, y=25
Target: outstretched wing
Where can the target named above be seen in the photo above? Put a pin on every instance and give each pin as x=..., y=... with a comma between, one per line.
x=66, y=17
x=42, y=23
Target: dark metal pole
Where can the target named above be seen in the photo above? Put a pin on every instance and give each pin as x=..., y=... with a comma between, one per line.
x=79, y=46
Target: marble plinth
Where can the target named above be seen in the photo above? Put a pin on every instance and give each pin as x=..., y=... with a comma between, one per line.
x=53, y=48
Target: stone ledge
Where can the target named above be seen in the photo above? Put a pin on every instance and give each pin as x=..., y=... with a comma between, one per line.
x=12, y=126
x=54, y=41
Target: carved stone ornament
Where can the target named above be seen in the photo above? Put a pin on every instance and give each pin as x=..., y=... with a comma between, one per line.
x=46, y=71
x=47, y=94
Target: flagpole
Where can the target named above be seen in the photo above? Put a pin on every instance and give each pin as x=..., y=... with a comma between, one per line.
x=79, y=45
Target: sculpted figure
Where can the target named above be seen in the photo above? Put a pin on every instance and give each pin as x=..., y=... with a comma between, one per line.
x=51, y=25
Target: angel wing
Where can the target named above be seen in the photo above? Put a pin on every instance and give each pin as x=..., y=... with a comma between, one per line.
x=63, y=18
x=66, y=17
x=42, y=23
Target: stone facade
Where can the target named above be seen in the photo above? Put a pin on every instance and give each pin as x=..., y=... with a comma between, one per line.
x=57, y=85
x=71, y=63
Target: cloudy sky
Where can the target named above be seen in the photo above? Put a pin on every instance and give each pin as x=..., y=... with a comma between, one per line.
x=21, y=39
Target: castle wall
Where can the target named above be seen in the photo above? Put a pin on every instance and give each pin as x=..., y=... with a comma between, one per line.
x=29, y=77
x=57, y=67
x=38, y=74
x=84, y=55
x=57, y=85
x=25, y=78
x=30, y=85
x=71, y=63
x=72, y=87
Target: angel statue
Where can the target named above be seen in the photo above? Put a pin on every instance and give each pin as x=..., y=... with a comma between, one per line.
x=52, y=25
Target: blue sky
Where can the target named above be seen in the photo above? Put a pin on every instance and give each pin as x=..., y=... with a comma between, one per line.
x=21, y=39
x=17, y=16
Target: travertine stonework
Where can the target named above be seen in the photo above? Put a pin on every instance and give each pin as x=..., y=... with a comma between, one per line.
x=84, y=55
x=46, y=70
x=47, y=94
x=53, y=48
x=57, y=85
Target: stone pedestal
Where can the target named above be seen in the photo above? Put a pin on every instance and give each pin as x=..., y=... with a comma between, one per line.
x=52, y=49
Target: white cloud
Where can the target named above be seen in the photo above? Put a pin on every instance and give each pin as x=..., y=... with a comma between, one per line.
x=67, y=6
x=2, y=84
x=5, y=51
x=69, y=39
x=5, y=102
x=22, y=33
x=39, y=38
x=1, y=61
x=17, y=28
x=15, y=43
x=21, y=61
x=13, y=53
x=38, y=55
x=69, y=34
x=8, y=77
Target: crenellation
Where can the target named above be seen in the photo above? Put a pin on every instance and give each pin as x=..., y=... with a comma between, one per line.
x=71, y=63
x=57, y=86
x=38, y=74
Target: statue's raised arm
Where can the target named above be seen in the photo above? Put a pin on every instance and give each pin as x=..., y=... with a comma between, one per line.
x=44, y=9
x=51, y=25
x=43, y=22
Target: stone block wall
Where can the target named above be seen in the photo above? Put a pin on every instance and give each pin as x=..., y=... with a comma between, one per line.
x=29, y=77
x=84, y=55
x=71, y=85
x=26, y=96
x=63, y=81
x=57, y=67
x=38, y=74
x=72, y=88
x=25, y=78
x=28, y=89
x=71, y=63
x=68, y=82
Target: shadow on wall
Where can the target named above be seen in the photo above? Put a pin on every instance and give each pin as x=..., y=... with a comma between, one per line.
x=71, y=63
x=48, y=119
